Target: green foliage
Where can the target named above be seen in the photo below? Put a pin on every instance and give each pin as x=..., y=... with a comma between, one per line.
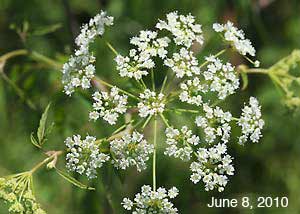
x=72, y=180
x=268, y=169
x=43, y=130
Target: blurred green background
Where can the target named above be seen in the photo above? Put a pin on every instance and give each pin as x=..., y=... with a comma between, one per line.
x=270, y=168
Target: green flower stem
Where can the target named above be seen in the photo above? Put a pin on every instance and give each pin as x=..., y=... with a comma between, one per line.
x=164, y=84
x=216, y=55
x=54, y=155
x=143, y=83
x=147, y=121
x=164, y=120
x=184, y=110
x=111, y=48
x=12, y=54
x=122, y=127
x=170, y=82
x=111, y=86
x=154, y=154
x=256, y=71
x=152, y=80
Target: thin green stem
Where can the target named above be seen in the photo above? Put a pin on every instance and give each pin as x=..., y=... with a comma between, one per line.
x=152, y=80
x=42, y=58
x=164, y=84
x=154, y=154
x=112, y=48
x=147, y=121
x=184, y=110
x=14, y=53
x=255, y=71
x=216, y=55
x=143, y=83
x=111, y=86
x=164, y=120
x=122, y=127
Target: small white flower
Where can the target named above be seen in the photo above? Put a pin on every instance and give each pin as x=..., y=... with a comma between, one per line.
x=127, y=204
x=183, y=28
x=215, y=123
x=213, y=167
x=151, y=103
x=236, y=37
x=251, y=122
x=173, y=192
x=131, y=150
x=221, y=78
x=183, y=63
x=150, y=201
x=140, y=60
x=180, y=143
x=108, y=105
x=84, y=156
x=80, y=69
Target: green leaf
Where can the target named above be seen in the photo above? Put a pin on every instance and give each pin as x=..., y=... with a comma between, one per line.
x=46, y=29
x=245, y=80
x=42, y=127
x=72, y=180
x=34, y=141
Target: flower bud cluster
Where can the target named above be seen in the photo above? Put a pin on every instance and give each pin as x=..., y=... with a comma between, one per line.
x=16, y=191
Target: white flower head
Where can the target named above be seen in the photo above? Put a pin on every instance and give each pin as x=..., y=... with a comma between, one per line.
x=192, y=91
x=151, y=103
x=131, y=150
x=183, y=29
x=151, y=201
x=180, y=143
x=183, y=63
x=236, y=37
x=108, y=105
x=84, y=156
x=215, y=123
x=221, y=78
x=251, y=122
x=141, y=59
x=80, y=69
x=212, y=167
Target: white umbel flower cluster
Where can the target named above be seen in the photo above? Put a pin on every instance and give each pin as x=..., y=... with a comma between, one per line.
x=236, y=37
x=215, y=123
x=251, y=122
x=183, y=28
x=84, y=156
x=140, y=60
x=151, y=103
x=213, y=167
x=183, y=63
x=192, y=91
x=80, y=69
x=180, y=143
x=150, y=201
x=221, y=78
x=131, y=150
x=108, y=105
